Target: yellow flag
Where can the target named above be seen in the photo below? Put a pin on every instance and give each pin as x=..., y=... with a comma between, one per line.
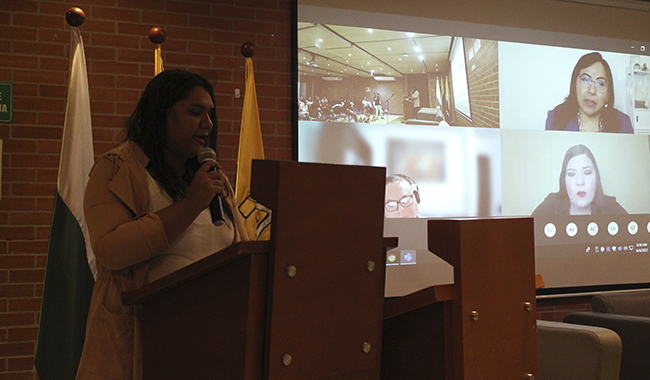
x=257, y=218
x=158, y=61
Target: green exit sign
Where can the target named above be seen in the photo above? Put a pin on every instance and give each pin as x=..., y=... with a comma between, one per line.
x=6, y=102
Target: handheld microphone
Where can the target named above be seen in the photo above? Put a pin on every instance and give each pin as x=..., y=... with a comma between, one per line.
x=216, y=206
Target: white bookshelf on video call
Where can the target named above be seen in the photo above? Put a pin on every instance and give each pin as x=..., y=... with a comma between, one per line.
x=638, y=95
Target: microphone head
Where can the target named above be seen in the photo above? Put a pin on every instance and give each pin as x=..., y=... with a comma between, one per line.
x=206, y=154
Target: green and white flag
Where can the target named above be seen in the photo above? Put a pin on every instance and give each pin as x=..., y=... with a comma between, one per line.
x=70, y=271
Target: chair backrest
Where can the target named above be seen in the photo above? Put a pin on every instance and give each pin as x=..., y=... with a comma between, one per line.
x=567, y=352
x=627, y=303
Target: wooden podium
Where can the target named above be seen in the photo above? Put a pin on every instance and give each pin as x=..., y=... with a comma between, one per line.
x=309, y=303
x=481, y=327
x=306, y=305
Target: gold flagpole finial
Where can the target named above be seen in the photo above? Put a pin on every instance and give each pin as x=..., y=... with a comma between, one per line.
x=157, y=35
x=75, y=17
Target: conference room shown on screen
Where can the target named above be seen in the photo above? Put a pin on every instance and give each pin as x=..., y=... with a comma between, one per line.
x=486, y=122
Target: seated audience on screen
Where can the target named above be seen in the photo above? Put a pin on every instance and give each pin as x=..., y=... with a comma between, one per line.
x=590, y=104
x=581, y=190
x=402, y=197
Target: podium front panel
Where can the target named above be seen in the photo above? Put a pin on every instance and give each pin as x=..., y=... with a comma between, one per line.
x=326, y=311
x=494, y=317
x=210, y=325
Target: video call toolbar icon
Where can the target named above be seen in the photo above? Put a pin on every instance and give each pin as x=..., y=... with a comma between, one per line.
x=550, y=230
x=612, y=228
x=632, y=228
x=571, y=229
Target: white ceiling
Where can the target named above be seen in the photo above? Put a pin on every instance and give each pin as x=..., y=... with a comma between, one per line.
x=345, y=51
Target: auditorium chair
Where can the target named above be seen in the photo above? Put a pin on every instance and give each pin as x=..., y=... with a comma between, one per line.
x=628, y=314
x=567, y=352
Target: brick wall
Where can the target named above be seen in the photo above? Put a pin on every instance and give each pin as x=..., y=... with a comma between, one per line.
x=483, y=81
x=202, y=36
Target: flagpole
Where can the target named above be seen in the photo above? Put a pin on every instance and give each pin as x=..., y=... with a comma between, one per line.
x=257, y=217
x=69, y=282
x=157, y=35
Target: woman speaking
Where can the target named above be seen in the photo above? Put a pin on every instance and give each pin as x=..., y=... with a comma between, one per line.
x=581, y=190
x=590, y=104
x=146, y=206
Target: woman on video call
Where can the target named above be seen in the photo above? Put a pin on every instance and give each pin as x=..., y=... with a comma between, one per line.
x=590, y=104
x=581, y=190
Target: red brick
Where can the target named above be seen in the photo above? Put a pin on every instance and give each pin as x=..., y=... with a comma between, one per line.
x=17, y=376
x=48, y=146
x=30, y=190
x=55, y=64
x=55, y=36
x=16, y=233
x=29, y=218
x=99, y=53
x=114, y=40
x=233, y=12
x=22, y=117
x=185, y=8
x=52, y=91
x=14, y=203
x=18, y=175
x=35, y=104
x=101, y=80
x=21, y=146
x=13, y=60
x=41, y=261
x=27, y=247
x=47, y=175
x=26, y=276
x=164, y=19
x=111, y=14
x=16, y=349
x=24, y=304
x=141, y=4
x=40, y=48
x=116, y=68
x=135, y=29
x=107, y=121
x=39, y=76
x=46, y=203
x=42, y=232
x=187, y=59
x=133, y=55
x=212, y=48
x=212, y=23
x=17, y=261
x=94, y=25
x=54, y=119
x=20, y=364
x=35, y=160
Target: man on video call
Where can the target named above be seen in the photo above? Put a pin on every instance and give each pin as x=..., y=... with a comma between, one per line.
x=402, y=197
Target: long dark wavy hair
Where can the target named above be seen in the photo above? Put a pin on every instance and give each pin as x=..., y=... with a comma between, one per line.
x=568, y=110
x=147, y=126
